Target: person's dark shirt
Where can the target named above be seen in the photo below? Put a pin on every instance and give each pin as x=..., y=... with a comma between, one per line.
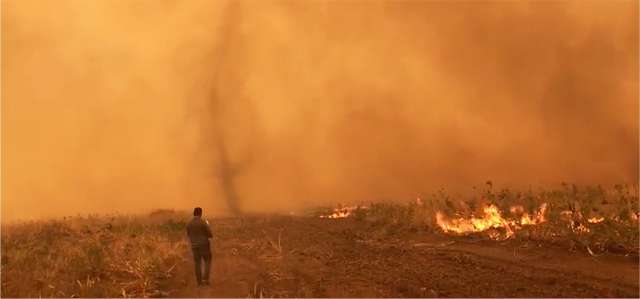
x=199, y=232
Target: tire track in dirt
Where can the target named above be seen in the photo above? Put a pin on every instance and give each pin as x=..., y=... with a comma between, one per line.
x=319, y=258
x=545, y=272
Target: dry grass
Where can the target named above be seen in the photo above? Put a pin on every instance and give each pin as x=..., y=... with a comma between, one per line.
x=133, y=256
x=618, y=233
x=117, y=256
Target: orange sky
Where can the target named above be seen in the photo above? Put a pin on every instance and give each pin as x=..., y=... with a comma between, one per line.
x=107, y=105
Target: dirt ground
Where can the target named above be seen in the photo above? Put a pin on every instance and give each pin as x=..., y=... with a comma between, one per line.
x=308, y=257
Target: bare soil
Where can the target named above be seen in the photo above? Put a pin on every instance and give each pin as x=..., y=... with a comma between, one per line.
x=308, y=257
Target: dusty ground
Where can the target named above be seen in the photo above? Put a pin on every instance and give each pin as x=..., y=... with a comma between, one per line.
x=350, y=258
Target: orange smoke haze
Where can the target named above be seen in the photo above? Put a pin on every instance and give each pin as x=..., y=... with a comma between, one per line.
x=130, y=106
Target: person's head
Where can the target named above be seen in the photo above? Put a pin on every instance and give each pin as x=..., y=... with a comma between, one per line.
x=197, y=211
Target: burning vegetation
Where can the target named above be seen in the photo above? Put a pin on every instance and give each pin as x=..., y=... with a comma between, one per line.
x=147, y=256
x=168, y=104
x=490, y=218
x=592, y=217
x=344, y=211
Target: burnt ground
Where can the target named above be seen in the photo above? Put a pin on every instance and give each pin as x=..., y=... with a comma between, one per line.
x=350, y=258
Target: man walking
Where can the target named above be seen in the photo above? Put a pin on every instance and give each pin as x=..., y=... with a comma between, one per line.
x=199, y=233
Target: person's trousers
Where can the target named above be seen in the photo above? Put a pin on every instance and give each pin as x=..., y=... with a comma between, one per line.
x=200, y=254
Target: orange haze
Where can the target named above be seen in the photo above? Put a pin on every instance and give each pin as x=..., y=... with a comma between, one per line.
x=136, y=105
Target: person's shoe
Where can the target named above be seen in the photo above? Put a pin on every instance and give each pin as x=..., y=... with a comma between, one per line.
x=206, y=282
x=201, y=284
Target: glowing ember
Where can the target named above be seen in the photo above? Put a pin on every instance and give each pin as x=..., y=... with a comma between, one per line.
x=575, y=220
x=516, y=209
x=343, y=212
x=578, y=228
x=595, y=219
x=491, y=218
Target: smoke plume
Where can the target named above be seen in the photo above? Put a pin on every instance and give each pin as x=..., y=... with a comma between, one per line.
x=261, y=106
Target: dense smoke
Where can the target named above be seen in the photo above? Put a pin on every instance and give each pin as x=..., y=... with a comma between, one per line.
x=280, y=105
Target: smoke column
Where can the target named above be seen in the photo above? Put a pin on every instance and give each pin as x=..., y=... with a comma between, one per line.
x=261, y=106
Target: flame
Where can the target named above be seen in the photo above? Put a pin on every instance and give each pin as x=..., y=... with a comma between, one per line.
x=595, y=219
x=578, y=228
x=343, y=212
x=575, y=224
x=537, y=218
x=491, y=218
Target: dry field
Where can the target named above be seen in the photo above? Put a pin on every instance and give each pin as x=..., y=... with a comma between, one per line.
x=571, y=242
